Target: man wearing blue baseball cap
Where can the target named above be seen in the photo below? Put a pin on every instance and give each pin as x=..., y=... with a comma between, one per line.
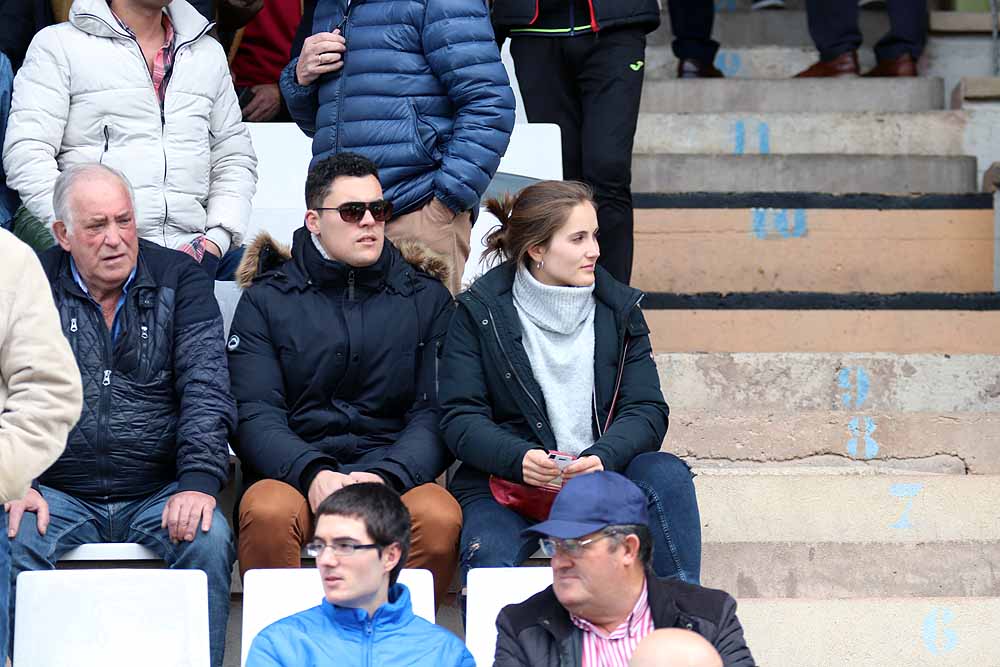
x=604, y=598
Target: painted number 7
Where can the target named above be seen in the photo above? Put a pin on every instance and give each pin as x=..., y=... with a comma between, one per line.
x=908, y=491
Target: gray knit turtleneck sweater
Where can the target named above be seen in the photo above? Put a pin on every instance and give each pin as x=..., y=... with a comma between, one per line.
x=558, y=335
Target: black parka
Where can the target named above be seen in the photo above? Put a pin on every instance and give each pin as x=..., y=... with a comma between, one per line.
x=539, y=633
x=604, y=14
x=493, y=410
x=156, y=402
x=335, y=368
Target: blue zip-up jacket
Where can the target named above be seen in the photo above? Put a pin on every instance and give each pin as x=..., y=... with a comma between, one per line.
x=342, y=636
x=422, y=93
x=8, y=198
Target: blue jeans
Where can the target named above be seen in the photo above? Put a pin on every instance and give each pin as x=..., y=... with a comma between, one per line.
x=491, y=533
x=74, y=521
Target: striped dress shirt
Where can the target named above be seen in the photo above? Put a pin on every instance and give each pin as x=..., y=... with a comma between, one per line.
x=601, y=649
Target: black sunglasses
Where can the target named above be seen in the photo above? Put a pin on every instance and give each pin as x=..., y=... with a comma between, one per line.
x=353, y=211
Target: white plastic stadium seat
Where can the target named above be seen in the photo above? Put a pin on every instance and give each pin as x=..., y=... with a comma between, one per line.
x=112, y=618
x=490, y=589
x=110, y=551
x=270, y=595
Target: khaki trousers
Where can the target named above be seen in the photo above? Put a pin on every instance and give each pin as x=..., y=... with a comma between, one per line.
x=441, y=231
x=275, y=522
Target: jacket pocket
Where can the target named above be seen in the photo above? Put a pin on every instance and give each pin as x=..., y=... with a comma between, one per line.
x=424, y=135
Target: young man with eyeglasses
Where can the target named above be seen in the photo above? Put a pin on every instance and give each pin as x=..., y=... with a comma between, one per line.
x=604, y=598
x=360, y=544
x=333, y=358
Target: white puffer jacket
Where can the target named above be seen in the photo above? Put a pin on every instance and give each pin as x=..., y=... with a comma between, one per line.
x=84, y=94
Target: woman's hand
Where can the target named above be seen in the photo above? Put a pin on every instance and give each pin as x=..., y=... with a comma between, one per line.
x=582, y=466
x=538, y=469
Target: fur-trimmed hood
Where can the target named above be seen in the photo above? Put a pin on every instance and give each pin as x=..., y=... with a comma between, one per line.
x=266, y=254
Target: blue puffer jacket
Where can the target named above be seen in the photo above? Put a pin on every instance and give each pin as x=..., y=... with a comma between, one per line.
x=332, y=635
x=422, y=93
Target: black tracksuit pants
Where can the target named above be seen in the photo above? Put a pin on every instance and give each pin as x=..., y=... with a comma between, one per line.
x=833, y=25
x=590, y=85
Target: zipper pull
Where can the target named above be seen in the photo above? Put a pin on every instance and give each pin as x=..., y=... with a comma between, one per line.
x=145, y=332
x=72, y=325
x=107, y=136
x=350, y=286
x=107, y=378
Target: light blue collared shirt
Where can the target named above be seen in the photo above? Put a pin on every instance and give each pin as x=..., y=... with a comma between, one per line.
x=116, y=323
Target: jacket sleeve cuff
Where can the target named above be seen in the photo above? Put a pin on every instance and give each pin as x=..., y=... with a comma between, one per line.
x=289, y=84
x=202, y=482
x=220, y=237
x=314, y=468
x=454, y=204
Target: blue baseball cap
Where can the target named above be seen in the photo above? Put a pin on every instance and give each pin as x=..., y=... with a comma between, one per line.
x=591, y=502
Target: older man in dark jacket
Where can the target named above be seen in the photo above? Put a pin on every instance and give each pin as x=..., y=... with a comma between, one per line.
x=604, y=598
x=416, y=86
x=333, y=353
x=148, y=456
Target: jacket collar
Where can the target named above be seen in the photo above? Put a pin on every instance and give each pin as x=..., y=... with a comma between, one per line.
x=95, y=17
x=499, y=281
x=395, y=613
x=556, y=620
x=332, y=273
x=140, y=277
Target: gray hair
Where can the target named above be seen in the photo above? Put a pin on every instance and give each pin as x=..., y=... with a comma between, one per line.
x=68, y=178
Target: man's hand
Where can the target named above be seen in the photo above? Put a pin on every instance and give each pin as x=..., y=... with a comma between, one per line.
x=322, y=53
x=32, y=502
x=325, y=483
x=363, y=477
x=538, y=469
x=582, y=466
x=183, y=512
x=211, y=247
x=265, y=105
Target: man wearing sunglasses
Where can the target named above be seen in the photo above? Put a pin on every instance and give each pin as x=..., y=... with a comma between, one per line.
x=417, y=87
x=333, y=359
x=604, y=598
x=365, y=618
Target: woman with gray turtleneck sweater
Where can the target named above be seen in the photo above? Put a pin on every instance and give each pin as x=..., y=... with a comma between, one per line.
x=547, y=352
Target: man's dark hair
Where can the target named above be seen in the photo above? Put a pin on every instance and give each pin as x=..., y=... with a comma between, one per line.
x=639, y=530
x=322, y=174
x=378, y=507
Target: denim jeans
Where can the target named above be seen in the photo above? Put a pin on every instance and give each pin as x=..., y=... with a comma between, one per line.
x=491, y=533
x=74, y=521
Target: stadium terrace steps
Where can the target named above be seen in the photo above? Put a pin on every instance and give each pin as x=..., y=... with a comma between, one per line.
x=920, y=632
x=851, y=413
x=788, y=248
x=832, y=173
x=761, y=95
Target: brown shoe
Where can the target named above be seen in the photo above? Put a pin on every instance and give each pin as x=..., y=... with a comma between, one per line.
x=690, y=68
x=846, y=64
x=903, y=65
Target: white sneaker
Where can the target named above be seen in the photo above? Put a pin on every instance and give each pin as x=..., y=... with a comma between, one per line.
x=767, y=4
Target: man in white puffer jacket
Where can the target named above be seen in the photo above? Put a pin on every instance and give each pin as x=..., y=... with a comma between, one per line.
x=137, y=85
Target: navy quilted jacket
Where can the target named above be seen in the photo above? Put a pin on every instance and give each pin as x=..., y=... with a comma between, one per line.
x=422, y=93
x=156, y=402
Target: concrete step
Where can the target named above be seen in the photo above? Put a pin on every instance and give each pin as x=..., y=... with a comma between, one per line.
x=662, y=96
x=850, y=536
x=780, y=28
x=686, y=250
x=897, y=331
x=748, y=62
x=797, y=173
x=857, y=412
x=950, y=632
x=946, y=22
x=933, y=133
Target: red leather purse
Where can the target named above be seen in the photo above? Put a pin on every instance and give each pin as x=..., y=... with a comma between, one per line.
x=532, y=502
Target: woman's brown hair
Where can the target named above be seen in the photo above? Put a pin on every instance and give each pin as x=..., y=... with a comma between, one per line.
x=532, y=217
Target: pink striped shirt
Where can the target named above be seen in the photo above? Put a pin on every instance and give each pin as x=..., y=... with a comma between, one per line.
x=601, y=649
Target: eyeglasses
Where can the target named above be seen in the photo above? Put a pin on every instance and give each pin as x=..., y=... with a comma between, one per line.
x=353, y=211
x=571, y=548
x=339, y=548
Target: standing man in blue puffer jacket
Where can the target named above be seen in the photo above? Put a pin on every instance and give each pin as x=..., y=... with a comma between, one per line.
x=416, y=86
